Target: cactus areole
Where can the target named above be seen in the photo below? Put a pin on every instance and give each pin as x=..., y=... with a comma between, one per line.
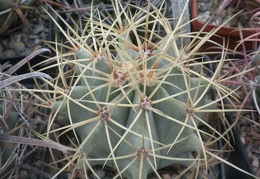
x=135, y=104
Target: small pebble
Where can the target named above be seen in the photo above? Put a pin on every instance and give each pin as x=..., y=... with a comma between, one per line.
x=204, y=6
x=32, y=36
x=9, y=53
x=20, y=47
x=45, y=17
x=38, y=28
x=230, y=11
x=23, y=174
x=43, y=36
x=166, y=176
x=223, y=14
x=248, y=139
x=26, y=52
x=205, y=17
x=255, y=162
x=36, y=41
x=242, y=140
x=46, y=30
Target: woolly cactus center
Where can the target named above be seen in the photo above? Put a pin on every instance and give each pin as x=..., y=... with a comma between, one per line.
x=130, y=71
x=145, y=102
x=149, y=79
x=67, y=91
x=98, y=57
x=142, y=152
x=119, y=78
x=147, y=52
x=183, y=60
x=121, y=75
x=189, y=110
x=104, y=113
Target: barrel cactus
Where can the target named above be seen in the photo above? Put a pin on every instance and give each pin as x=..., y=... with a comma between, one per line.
x=134, y=99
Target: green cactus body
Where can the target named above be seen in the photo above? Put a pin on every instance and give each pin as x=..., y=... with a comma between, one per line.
x=126, y=98
x=135, y=108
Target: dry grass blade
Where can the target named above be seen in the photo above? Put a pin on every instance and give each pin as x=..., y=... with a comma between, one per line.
x=14, y=68
x=14, y=79
x=29, y=141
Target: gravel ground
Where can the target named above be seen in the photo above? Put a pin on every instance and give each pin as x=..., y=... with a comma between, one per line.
x=205, y=11
x=248, y=124
x=19, y=41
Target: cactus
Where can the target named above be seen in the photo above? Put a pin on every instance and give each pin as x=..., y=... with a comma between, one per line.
x=134, y=101
x=135, y=113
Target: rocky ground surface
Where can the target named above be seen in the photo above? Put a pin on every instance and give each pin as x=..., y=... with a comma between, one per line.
x=249, y=129
x=207, y=9
x=248, y=125
x=19, y=41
